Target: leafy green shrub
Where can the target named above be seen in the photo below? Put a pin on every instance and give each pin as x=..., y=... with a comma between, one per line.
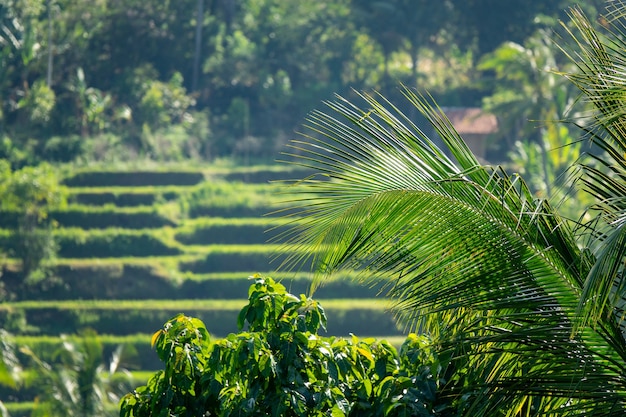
x=30, y=194
x=38, y=103
x=280, y=366
x=170, y=143
x=63, y=148
x=14, y=152
x=108, y=147
x=163, y=103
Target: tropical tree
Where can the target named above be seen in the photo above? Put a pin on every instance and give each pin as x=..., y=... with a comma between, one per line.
x=78, y=382
x=402, y=24
x=9, y=365
x=29, y=194
x=526, y=310
x=528, y=92
x=484, y=24
x=278, y=365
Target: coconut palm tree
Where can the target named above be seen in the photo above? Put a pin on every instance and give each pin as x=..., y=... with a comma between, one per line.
x=9, y=365
x=523, y=305
x=528, y=92
x=78, y=383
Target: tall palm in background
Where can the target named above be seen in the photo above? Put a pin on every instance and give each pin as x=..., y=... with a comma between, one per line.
x=524, y=306
x=9, y=365
x=529, y=98
x=79, y=383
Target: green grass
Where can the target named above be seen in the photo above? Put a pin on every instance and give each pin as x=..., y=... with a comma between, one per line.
x=347, y=276
x=214, y=197
x=119, y=199
x=138, y=355
x=236, y=258
x=204, y=222
x=163, y=266
x=198, y=305
x=137, y=189
x=20, y=409
x=268, y=249
x=238, y=192
x=110, y=339
x=217, y=166
x=83, y=234
x=220, y=230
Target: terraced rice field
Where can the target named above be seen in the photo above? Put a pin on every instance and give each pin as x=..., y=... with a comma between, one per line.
x=137, y=247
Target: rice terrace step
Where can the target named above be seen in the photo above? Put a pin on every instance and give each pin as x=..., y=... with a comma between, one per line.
x=137, y=247
x=133, y=178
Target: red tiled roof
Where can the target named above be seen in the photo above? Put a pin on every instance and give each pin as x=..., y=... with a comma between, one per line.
x=471, y=120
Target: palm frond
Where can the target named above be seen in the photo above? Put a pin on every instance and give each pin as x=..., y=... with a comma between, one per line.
x=473, y=258
x=602, y=81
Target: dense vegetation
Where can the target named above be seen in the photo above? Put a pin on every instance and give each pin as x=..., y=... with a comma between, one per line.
x=128, y=258
x=110, y=244
x=278, y=365
x=171, y=80
x=527, y=303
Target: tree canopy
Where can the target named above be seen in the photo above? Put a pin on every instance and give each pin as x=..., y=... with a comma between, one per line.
x=232, y=76
x=279, y=365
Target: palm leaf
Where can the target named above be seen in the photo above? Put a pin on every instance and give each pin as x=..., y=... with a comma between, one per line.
x=473, y=260
x=602, y=81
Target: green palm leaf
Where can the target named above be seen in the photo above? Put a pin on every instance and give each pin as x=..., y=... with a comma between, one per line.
x=470, y=257
x=525, y=313
x=602, y=81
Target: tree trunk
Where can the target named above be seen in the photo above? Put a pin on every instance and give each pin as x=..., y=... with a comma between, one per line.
x=198, y=49
x=49, y=72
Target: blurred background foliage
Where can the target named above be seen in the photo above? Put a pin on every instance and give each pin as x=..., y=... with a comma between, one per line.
x=112, y=80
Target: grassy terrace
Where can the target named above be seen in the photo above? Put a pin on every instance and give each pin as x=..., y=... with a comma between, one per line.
x=365, y=317
x=341, y=304
x=138, y=247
